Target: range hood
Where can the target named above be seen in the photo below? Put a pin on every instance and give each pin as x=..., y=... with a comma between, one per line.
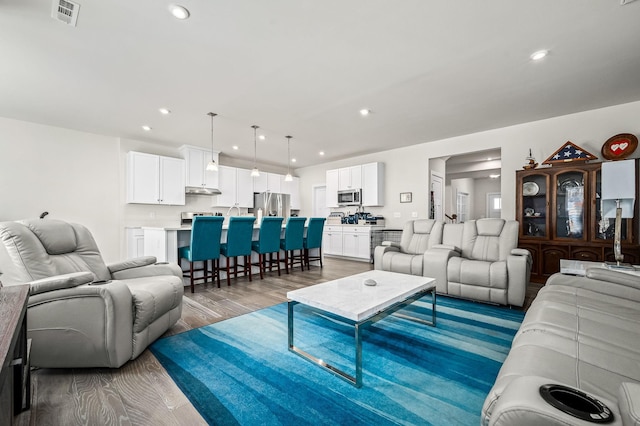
x=199, y=190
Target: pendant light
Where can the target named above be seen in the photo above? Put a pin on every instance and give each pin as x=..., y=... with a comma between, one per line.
x=212, y=166
x=255, y=172
x=288, y=177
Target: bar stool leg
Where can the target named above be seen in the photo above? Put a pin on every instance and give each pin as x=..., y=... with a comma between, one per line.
x=278, y=258
x=247, y=267
x=217, y=266
x=191, y=277
x=228, y=272
x=261, y=264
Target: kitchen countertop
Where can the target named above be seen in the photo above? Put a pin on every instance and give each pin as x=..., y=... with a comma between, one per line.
x=226, y=226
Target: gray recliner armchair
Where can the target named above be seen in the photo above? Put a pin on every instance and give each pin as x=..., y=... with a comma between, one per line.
x=82, y=312
x=407, y=257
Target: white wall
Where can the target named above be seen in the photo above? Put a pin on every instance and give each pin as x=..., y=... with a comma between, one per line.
x=79, y=176
x=407, y=169
x=72, y=175
x=482, y=187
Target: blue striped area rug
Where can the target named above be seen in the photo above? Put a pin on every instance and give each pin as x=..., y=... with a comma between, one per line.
x=240, y=371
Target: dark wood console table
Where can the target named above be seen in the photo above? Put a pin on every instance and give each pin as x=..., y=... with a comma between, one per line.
x=15, y=377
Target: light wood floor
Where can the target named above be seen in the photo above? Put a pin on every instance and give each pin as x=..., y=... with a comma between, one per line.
x=141, y=392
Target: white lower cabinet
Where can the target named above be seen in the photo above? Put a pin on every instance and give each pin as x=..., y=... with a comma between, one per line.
x=332, y=240
x=135, y=242
x=356, y=242
x=353, y=241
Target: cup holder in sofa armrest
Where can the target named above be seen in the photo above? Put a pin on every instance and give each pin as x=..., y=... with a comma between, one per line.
x=576, y=403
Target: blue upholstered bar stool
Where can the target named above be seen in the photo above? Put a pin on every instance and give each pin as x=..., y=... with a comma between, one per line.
x=239, y=236
x=292, y=241
x=204, y=247
x=313, y=239
x=268, y=243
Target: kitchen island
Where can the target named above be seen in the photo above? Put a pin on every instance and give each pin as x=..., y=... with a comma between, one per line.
x=163, y=242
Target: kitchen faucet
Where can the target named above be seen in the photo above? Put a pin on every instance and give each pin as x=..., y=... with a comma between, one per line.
x=233, y=207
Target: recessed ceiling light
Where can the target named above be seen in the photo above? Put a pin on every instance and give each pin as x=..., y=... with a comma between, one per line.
x=146, y=128
x=494, y=176
x=489, y=159
x=321, y=153
x=235, y=147
x=262, y=137
x=164, y=111
x=179, y=12
x=536, y=56
x=364, y=112
x=293, y=160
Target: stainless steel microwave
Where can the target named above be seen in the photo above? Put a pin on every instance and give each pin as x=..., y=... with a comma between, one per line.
x=351, y=197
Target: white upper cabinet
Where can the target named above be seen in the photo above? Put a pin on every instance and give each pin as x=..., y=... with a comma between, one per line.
x=197, y=174
x=373, y=184
x=293, y=189
x=368, y=177
x=244, y=192
x=331, y=193
x=267, y=182
x=235, y=187
x=350, y=178
x=153, y=179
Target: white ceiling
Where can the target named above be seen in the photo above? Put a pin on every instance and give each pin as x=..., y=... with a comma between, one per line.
x=427, y=69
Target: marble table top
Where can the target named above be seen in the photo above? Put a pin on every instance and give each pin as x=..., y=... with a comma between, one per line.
x=350, y=298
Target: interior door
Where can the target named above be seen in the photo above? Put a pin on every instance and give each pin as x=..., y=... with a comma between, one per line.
x=494, y=204
x=320, y=208
x=437, y=190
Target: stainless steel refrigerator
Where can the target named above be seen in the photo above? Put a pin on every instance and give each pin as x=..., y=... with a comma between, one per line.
x=272, y=204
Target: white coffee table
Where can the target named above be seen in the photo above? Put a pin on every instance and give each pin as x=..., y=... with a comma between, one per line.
x=354, y=303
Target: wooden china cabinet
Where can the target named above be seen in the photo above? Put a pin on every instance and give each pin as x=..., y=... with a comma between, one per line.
x=559, y=211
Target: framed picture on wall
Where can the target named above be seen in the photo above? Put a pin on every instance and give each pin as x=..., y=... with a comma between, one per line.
x=405, y=197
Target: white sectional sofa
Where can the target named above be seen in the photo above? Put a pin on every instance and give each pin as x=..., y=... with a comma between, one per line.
x=580, y=332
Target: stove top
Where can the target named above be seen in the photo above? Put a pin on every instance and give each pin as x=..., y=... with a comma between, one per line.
x=186, y=218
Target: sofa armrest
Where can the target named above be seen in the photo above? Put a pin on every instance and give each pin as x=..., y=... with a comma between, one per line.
x=150, y=270
x=601, y=280
x=617, y=277
x=520, y=252
x=89, y=325
x=390, y=244
x=629, y=403
x=521, y=404
x=379, y=252
x=447, y=247
x=435, y=262
x=131, y=263
x=60, y=282
x=519, y=273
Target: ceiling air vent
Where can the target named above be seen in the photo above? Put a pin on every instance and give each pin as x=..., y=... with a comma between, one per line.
x=65, y=11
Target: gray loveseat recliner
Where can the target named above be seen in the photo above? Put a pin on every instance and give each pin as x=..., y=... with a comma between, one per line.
x=580, y=332
x=407, y=257
x=82, y=312
x=477, y=259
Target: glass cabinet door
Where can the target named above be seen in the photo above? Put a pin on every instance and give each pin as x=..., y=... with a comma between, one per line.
x=569, y=204
x=534, y=205
x=605, y=228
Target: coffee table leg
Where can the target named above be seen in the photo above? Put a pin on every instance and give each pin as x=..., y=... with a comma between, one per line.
x=290, y=306
x=358, y=333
